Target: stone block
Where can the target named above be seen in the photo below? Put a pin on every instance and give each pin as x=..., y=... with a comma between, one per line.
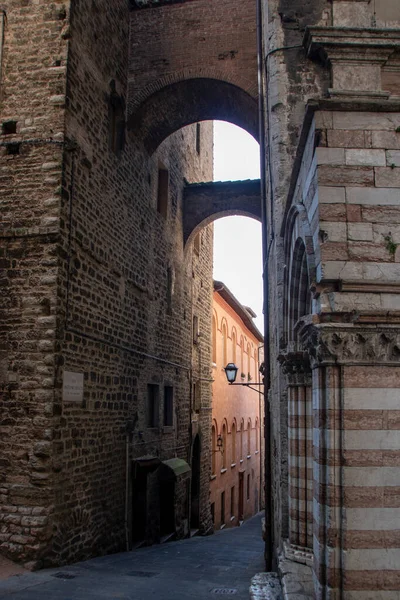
x=342, y=176
x=330, y=156
x=360, y=231
x=367, y=158
x=372, y=196
x=332, y=212
x=373, y=121
x=381, y=214
x=368, y=251
x=331, y=195
x=393, y=158
x=346, y=139
x=334, y=232
x=387, y=177
x=385, y=139
x=353, y=213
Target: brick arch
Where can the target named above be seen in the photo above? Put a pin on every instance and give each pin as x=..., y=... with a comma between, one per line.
x=211, y=218
x=206, y=202
x=185, y=102
x=250, y=86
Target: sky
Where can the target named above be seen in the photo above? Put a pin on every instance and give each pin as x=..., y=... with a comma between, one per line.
x=237, y=240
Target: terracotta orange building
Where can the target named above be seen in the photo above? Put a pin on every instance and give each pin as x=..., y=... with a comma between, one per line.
x=237, y=449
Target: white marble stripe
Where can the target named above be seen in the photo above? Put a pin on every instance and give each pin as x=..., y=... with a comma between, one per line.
x=372, y=440
x=373, y=595
x=374, y=559
x=372, y=398
x=358, y=476
x=358, y=440
x=372, y=519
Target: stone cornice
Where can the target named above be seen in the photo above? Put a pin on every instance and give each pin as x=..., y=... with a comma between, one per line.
x=351, y=344
x=344, y=43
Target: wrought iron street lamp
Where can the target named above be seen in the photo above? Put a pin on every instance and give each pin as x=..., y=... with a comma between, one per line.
x=231, y=371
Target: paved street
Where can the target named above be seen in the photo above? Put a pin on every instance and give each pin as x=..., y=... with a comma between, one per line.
x=199, y=568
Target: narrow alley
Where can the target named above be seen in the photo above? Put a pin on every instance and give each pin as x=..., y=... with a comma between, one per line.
x=198, y=568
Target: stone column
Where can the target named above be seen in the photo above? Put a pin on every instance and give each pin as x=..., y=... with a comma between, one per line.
x=356, y=441
x=297, y=369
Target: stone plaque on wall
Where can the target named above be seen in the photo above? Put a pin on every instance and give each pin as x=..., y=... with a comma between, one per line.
x=72, y=387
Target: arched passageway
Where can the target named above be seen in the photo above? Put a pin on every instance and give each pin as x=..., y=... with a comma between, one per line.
x=189, y=101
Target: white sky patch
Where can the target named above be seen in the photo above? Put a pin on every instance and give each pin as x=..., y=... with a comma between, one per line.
x=237, y=240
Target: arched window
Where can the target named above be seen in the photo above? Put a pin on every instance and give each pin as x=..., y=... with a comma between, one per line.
x=213, y=450
x=256, y=372
x=249, y=437
x=241, y=355
x=248, y=361
x=234, y=342
x=224, y=446
x=224, y=345
x=233, y=445
x=214, y=340
x=241, y=438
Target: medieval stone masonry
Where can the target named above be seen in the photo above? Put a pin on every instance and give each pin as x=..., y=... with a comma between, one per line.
x=106, y=283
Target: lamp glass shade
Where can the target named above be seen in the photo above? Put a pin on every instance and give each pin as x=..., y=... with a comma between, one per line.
x=231, y=372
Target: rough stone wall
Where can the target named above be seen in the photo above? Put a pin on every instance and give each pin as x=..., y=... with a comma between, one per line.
x=32, y=88
x=107, y=291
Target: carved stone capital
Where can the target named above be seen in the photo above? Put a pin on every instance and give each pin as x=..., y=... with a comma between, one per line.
x=346, y=344
x=296, y=367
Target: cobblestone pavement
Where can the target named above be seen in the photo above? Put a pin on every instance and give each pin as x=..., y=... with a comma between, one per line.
x=199, y=568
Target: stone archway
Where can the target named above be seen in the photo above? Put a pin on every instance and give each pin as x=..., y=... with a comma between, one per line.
x=188, y=101
x=205, y=202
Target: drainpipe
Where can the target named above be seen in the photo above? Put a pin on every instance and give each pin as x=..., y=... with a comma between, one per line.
x=127, y=436
x=265, y=243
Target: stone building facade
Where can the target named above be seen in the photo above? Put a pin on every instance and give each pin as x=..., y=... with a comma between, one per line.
x=99, y=358
x=236, y=486
x=76, y=185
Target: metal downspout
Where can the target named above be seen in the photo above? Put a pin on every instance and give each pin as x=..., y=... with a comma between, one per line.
x=265, y=244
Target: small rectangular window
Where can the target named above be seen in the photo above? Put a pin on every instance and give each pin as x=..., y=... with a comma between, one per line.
x=232, y=501
x=198, y=138
x=168, y=406
x=153, y=400
x=248, y=487
x=163, y=191
x=195, y=329
x=222, y=508
x=9, y=127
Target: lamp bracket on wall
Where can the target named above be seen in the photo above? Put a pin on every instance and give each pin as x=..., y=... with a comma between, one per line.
x=231, y=371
